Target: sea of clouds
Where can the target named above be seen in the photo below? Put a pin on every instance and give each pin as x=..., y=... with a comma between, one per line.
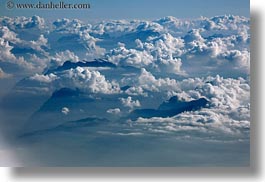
x=191, y=59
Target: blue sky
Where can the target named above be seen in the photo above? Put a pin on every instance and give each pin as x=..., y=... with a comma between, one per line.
x=137, y=9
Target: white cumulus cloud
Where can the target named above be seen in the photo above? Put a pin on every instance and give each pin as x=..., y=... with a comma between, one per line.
x=114, y=111
x=129, y=102
x=65, y=110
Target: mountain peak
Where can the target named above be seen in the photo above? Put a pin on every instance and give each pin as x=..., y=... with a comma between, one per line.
x=65, y=92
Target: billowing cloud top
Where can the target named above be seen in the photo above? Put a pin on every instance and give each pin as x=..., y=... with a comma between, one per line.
x=219, y=44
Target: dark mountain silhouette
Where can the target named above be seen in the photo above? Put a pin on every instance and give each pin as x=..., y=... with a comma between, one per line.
x=169, y=108
x=68, y=65
x=49, y=114
x=69, y=126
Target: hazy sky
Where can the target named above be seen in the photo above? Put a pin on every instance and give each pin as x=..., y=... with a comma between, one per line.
x=136, y=9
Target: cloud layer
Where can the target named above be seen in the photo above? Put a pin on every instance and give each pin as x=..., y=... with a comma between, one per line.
x=139, y=64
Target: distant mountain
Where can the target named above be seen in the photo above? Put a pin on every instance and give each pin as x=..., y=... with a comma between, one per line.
x=169, y=108
x=50, y=119
x=174, y=103
x=69, y=104
x=69, y=126
x=68, y=65
x=50, y=113
x=62, y=98
x=125, y=88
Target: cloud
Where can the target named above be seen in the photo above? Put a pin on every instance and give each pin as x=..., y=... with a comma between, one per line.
x=44, y=78
x=156, y=54
x=119, y=28
x=114, y=111
x=13, y=36
x=38, y=44
x=200, y=124
x=9, y=35
x=68, y=26
x=88, y=80
x=196, y=47
x=132, y=57
x=176, y=26
x=18, y=23
x=60, y=57
x=225, y=23
x=7, y=56
x=136, y=90
x=130, y=103
x=26, y=62
x=5, y=48
x=149, y=82
x=239, y=59
x=219, y=55
x=4, y=75
x=225, y=93
x=74, y=32
x=65, y=110
x=194, y=36
x=91, y=81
